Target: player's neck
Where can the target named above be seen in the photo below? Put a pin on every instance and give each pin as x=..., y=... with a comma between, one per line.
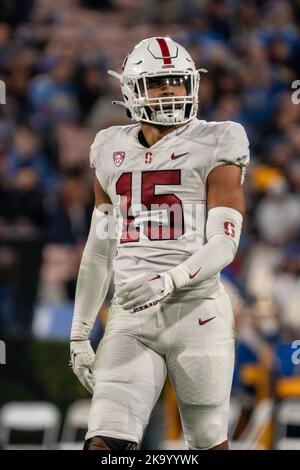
x=153, y=134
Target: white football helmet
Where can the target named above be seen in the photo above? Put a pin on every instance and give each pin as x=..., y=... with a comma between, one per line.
x=152, y=63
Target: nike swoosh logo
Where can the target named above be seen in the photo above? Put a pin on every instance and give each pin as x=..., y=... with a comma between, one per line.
x=195, y=274
x=174, y=157
x=155, y=277
x=202, y=322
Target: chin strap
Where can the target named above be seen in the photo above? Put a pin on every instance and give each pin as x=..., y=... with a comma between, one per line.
x=120, y=103
x=114, y=74
x=118, y=76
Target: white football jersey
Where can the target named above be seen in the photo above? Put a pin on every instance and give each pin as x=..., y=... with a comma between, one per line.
x=159, y=193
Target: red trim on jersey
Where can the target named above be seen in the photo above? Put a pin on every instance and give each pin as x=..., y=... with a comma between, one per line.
x=164, y=50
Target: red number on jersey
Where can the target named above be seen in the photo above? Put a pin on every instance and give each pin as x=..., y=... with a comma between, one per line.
x=151, y=202
x=130, y=233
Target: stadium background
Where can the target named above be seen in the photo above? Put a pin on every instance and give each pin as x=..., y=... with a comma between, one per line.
x=53, y=60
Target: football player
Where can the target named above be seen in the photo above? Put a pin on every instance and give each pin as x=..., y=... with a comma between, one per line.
x=175, y=185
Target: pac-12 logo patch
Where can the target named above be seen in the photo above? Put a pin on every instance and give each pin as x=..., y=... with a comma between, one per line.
x=118, y=158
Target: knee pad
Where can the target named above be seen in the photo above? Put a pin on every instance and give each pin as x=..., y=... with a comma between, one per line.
x=205, y=437
x=108, y=443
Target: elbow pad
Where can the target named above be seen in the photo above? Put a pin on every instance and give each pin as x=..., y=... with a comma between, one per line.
x=225, y=223
x=223, y=230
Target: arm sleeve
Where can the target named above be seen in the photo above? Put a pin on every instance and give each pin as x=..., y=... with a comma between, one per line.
x=94, y=275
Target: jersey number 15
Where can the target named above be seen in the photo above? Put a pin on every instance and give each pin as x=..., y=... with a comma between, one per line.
x=159, y=216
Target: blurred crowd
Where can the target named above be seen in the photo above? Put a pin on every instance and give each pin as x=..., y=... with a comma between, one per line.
x=53, y=61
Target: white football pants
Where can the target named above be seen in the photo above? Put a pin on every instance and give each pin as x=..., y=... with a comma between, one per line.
x=192, y=341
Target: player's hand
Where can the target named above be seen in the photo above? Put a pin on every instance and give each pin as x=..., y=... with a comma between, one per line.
x=82, y=360
x=140, y=290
